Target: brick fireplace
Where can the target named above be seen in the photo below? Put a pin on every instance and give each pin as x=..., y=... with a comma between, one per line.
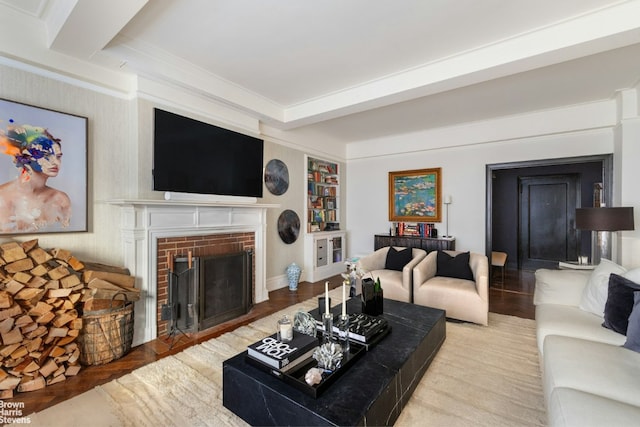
x=213, y=244
x=150, y=228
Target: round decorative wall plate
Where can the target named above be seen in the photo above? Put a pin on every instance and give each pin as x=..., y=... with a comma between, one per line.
x=288, y=226
x=276, y=177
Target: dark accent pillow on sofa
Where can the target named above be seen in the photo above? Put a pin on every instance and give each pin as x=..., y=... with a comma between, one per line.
x=396, y=260
x=454, y=266
x=619, y=303
x=633, y=330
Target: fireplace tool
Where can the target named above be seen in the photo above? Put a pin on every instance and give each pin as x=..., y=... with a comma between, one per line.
x=173, y=276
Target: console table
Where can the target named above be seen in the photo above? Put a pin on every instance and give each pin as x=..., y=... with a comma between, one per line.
x=372, y=392
x=427, y=243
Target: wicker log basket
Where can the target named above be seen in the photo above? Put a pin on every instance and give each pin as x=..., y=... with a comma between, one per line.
x=107, y=334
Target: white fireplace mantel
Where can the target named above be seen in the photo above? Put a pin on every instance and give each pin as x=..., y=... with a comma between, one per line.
x=143, y=222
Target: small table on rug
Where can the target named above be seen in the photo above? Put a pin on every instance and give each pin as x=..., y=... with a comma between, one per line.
x=371, y=392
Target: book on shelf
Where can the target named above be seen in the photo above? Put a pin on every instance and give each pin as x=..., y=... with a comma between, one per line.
x=279, y=355
x=420, y=229
x=331, y=179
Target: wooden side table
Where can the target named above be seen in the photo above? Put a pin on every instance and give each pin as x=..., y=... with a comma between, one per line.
x=499, y=259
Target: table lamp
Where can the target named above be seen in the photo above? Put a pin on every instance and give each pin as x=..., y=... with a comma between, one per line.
x=603, y=221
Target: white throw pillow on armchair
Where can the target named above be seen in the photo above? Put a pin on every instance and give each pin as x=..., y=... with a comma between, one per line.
x=596, y=292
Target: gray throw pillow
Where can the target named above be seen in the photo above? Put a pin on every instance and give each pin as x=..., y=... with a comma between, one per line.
x=633, y=329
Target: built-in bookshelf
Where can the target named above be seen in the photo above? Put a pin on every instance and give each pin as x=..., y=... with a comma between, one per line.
x=324, y=240
x=323, y=195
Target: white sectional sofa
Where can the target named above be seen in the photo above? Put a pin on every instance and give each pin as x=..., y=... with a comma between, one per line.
x=589, y=378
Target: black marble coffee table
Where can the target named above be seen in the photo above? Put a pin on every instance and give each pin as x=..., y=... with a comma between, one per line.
x=372, y=392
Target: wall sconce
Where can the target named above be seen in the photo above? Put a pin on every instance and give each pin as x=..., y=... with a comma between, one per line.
x=447, y=202
x=603, y=221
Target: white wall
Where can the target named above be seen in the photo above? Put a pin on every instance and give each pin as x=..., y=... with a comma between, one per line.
x=588, y=130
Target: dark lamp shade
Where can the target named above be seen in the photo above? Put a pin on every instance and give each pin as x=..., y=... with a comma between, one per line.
x=604, y=219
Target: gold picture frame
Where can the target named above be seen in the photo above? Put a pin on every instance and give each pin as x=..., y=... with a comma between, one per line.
x=415, y=195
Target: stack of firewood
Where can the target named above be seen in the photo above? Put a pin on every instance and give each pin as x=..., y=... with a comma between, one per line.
x=43, y=294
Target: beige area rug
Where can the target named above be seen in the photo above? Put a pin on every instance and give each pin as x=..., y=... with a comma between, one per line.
x=482, y=376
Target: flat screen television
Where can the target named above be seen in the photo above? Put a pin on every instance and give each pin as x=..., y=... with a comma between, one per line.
x=190, y=156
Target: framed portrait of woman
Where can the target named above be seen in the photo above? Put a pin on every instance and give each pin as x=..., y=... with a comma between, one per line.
x=43, y=170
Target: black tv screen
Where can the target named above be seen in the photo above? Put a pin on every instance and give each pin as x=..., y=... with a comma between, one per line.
x=190, y=156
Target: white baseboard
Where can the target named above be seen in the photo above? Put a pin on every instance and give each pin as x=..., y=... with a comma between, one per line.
x=277, y=282
x=281, y=281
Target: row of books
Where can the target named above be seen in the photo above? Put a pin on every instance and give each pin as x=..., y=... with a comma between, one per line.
x=323, y=167
x=419, y=229
x=322, y=215
x=314, y=189
x=318, y=202
x=318, y=177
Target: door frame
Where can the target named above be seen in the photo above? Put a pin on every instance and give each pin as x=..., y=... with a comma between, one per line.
x=607, y=177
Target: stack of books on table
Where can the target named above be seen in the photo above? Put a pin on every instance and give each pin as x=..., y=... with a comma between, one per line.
x=273, y=354
x=364, y=329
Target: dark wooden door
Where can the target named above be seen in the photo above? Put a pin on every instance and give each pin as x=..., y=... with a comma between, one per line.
x=547, y=220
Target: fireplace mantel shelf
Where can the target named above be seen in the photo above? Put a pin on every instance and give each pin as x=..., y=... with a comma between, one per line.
x=159, y=202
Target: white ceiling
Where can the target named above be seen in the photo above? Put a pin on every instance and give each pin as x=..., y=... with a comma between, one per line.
x=354, y=69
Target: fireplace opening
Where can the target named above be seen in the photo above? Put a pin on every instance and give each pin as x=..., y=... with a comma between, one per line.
x=208, y=290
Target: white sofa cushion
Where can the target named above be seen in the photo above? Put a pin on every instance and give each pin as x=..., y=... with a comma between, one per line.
x=569, y=407
x=391, y=281
x=595, y=293
x=593, y=367
x=560, y=286
x=633, y=275
x=556, y=319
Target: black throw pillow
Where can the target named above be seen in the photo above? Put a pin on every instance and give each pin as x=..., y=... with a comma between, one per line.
x=396, y=260
x=454, y=266
x=619, y=303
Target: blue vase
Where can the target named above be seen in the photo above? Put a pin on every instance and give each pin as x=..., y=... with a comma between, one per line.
x=293, y=276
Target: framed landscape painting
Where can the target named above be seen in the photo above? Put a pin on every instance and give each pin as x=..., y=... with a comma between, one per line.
x=39, y=191
x=414, y=196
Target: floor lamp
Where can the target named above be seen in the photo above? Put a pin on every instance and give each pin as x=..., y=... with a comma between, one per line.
x=603, y=221
x=447, y=202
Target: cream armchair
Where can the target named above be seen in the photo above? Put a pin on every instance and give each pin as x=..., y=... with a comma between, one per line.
x=396, y=284
x=462, y=299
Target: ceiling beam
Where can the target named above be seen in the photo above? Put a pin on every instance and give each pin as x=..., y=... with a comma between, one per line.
x=81, y=28
x=586, y=35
